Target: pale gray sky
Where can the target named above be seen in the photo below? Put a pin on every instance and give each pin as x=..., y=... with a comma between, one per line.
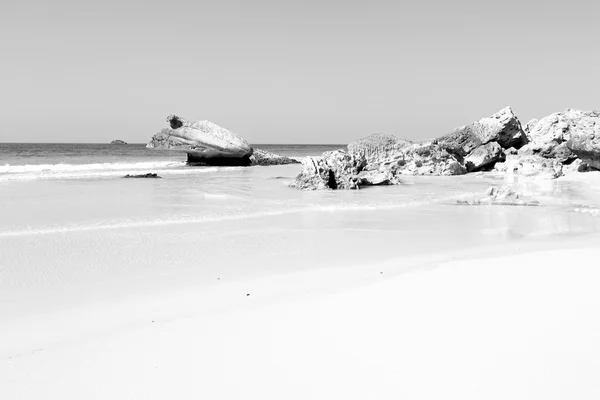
x=311, y=71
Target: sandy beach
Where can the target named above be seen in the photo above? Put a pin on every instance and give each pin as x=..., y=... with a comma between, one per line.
x=336, y=299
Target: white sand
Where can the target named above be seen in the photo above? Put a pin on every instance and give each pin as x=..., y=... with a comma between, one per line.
x=518, y=327
x=435, y=302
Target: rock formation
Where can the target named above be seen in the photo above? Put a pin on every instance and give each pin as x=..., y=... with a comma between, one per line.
x=540, y=150
x=204, y=142
x=118, y=142
x=474, y=147
x=209, y=144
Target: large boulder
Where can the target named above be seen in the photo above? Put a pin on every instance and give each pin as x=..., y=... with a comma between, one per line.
x=204, y=142
x=584, y=140
x=549, y=136
x=484, y=156
x=333, y=170
x=503, y=127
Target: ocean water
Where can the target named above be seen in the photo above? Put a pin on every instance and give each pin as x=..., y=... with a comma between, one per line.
x=34, y=161
x=71, y=187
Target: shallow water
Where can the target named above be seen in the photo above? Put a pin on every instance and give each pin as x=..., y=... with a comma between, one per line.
x=78, y=229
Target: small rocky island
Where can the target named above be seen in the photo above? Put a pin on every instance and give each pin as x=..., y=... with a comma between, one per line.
x=541, y=149
x=209, y=144
x=118, y=142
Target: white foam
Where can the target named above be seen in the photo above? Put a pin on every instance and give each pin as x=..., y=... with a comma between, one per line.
x=61, y=171
x=87, y=167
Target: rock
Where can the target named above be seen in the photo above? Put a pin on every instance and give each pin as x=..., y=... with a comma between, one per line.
x=118, y=142
x=377, y=148
x=148, y=176
x=206, y=143
x=584, y=167
x=550, y=135
x=503, y=196
x=534, y=166
x=484, y=156
x=262, y=157
x=584, y=140
x=503, y=127
x=374, y=178
x=333, y=170
x=424, y=159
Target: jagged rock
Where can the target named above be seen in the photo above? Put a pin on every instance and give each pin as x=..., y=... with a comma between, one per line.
x=503, y=127
x=333, y=170
x=585, y=138
x=147, y=176
x=484, y=156
x=206, y=143
x=377, y=148
x=424, y=159
x=503, y=196
x=262, y=157
x=118, y=142
x=549, y=136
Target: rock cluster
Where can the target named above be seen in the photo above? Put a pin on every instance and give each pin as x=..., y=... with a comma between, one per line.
x=499, y=142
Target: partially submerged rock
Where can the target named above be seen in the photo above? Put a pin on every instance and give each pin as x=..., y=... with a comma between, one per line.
x=144, y=176
x=503, y=196
x=333, y=170
x=209, y=144
x=204, y=142
x=531, y=166
x=262, y=157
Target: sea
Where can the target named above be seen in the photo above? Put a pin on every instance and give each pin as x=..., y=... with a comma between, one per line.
x=47, y=187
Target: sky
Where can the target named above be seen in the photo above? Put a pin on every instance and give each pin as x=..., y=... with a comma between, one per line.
x=311, y=71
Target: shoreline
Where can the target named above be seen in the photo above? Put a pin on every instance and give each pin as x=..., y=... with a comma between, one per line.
x=190, y=325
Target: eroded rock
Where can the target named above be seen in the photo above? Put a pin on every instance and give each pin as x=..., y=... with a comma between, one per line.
x=503, y=196
x=503, y=128
x=585, y=138
x=262, y=157
x=204, y=142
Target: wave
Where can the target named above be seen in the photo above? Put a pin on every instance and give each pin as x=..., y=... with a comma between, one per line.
x=9, y=169
x=58, y=171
